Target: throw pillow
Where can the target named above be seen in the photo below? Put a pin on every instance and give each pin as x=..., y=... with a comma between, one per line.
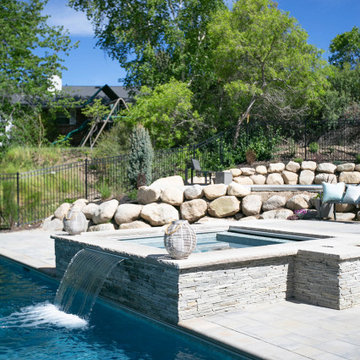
x=333, y=192
x=352, y=194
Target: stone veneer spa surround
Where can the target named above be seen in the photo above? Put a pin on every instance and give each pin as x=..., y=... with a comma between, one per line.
x=322, y=272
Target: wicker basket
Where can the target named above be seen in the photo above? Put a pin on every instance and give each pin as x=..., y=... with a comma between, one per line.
x=179, y=239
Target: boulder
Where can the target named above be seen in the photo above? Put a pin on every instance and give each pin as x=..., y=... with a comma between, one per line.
x=306, y=177
x=105, y=212
x=274, y=179
x=89, y=210
x=308, y=165
x=279, y=214
x=170, y=181
x=61, y=211
x=357, y=167
x=80, y=203
x=194, y=192
x=344, y=207
x=147, y=194
x=298, y=202
x=327, y=168
x=75, y=222
x=292, y=166
x=159, y=214
x=274, y=202
x=258, y=179
x=290, y=178
x=246, y=171
x=243, y=180
x=325, y=177
x=134, y=225
x=172, y=195
x=193, y=210
x=261, y=169
x=224, y=206
x=345, y=167
x=235, y=172
x=214, y=191
x=102, y=227
x=276, y=168
x=238, y=190
x=246, y=218
x=251, y=205
x=126, y=213
x=52, y=224
x=345, y=216
x=350, y=177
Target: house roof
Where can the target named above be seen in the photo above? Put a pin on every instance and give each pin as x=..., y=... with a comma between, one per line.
x=106, y=92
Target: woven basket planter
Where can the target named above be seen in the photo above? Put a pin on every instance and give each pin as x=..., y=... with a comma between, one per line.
x=179, y=239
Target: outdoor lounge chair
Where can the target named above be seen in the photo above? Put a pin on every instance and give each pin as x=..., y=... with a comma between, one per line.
x=194, y=166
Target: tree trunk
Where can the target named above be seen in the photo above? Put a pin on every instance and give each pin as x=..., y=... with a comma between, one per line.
x=241, y=119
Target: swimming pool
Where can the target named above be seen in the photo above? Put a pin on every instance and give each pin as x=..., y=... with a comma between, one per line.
x=32, y=328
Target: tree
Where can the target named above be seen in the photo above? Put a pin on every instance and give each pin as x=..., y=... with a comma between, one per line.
x=167, y=113
x=30, y=55
x=140, y=157
x=261, y=56
x=345, y=48
x=153, y=40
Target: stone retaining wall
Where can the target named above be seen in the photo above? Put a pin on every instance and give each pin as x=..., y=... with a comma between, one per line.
x=169, y=199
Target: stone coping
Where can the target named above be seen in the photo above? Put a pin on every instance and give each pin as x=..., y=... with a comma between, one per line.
x=340, y=247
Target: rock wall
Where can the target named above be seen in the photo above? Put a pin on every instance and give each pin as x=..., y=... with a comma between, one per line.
x=169, y=199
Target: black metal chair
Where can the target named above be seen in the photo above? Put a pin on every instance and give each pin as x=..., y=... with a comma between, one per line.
x=194, y=166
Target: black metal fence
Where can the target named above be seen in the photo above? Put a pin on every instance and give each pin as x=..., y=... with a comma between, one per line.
x=32, y=196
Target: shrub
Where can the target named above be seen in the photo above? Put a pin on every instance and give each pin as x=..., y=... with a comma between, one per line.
x=250, y=156
x=313, y=147
x=298, y=160
x=140, y=157
x=357, y=158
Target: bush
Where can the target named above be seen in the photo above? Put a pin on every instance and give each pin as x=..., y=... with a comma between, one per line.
x=357, y=158
x=140, y=158
x=313, y=147
x=298, y=160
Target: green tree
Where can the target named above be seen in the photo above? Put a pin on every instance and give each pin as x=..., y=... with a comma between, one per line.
x=30, y=55
x=261, y=57
x=153, y=40
x=345, y=48
x=167, y=113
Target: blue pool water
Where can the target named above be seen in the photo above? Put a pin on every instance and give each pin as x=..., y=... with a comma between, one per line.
x=32, y=328
x=212, y=241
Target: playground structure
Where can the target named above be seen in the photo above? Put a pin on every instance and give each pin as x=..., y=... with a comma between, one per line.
x=115, y=103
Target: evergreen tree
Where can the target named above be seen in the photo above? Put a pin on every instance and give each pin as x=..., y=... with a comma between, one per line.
x=140, y=158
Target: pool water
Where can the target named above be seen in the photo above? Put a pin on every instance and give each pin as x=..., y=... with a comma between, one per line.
x=31, y=327
x=212, y=241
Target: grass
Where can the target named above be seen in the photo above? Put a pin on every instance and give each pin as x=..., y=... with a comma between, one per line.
x=22, y=159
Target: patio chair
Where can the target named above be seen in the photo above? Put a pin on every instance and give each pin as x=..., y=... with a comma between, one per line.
x=194, y=166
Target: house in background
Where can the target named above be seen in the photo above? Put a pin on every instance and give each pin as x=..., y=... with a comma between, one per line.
x=77, y=127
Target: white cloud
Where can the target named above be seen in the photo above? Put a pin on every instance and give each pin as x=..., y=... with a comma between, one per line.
x=62, y=15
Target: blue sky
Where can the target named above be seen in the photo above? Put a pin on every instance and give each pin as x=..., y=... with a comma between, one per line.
x=88, y=65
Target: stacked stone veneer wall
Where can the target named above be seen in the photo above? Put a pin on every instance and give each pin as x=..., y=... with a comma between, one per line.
x=170, y=292
x=229, y=287
x=327, y=280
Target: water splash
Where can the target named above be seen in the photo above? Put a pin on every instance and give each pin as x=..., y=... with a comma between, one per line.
x=83, y=280
x=42, y=315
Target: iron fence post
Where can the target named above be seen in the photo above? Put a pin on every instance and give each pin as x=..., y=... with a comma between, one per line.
x=305, y=138
x=86, y=178
x=18, y=197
